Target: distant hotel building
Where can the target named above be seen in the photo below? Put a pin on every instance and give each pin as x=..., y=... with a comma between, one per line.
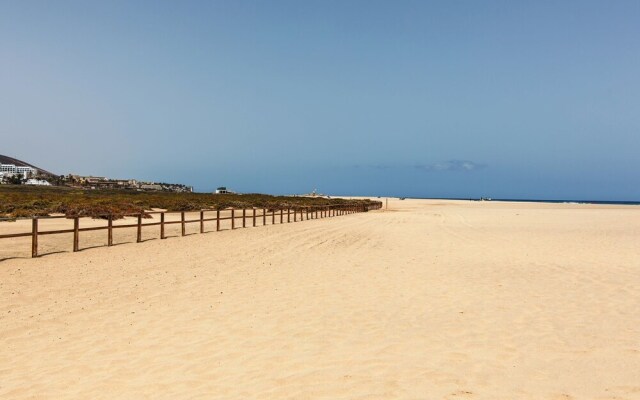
x=223, y=190
x=101, y=182
x=11, y=169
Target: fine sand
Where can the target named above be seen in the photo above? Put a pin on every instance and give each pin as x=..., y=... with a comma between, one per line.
x=426, y=300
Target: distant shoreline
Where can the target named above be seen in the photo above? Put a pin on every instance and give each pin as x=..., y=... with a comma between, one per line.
x=555, y=201
x=552, y=201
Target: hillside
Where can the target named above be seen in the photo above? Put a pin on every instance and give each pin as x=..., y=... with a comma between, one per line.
x=20, y=163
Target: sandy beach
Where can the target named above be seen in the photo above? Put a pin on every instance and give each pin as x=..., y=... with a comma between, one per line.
x=429, y=299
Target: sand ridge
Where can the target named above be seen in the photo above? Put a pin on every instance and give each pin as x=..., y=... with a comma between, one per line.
x=437, y=299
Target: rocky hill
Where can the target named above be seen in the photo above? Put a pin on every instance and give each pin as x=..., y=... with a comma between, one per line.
x=20, y=163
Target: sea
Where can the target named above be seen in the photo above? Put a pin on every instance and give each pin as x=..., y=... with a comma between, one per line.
x=632, y=203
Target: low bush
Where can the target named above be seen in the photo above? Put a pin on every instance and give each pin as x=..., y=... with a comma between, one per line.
x=20, y=201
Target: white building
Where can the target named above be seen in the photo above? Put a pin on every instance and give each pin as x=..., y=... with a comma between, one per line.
x=223, y=190
x=8, y=168
x=11, y=169
x=39, y=182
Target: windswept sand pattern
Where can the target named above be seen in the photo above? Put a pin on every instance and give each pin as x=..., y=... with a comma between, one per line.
x=429, y=300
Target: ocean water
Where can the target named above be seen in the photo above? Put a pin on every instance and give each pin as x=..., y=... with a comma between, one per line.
x=569, y=201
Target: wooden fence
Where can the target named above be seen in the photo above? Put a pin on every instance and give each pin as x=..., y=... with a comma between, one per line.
x=253, y=215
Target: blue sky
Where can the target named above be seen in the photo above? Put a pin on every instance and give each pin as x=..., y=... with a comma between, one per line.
x=515, y=99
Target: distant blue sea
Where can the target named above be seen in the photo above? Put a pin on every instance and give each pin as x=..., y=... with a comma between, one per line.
x=633, y=203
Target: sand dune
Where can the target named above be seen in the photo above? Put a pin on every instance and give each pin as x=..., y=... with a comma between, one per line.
x=428, y=300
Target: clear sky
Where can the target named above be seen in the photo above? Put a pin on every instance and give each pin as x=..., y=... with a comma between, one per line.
x=511, y=99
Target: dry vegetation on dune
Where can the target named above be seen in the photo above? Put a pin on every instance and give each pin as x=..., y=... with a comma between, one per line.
x=23, y=201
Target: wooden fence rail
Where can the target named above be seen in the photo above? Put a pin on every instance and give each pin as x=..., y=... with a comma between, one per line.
x=305, y=213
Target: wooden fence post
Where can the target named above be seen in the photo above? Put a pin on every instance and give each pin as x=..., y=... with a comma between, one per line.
x=288, y=215
x=217, y=220
x=244, y=217
x=139, y=236
x=254, y=217
x=201, y=221
x=182, y=223
x=264, y=216
x=281, y=211
x=233, y=219
x=295, y=215
x=76, y=233
x=162, y=236
x=34, y=237
x=110, y=231
x=273, y=216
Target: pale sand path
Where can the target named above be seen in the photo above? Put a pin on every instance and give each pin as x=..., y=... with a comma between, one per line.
x=432, y=300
